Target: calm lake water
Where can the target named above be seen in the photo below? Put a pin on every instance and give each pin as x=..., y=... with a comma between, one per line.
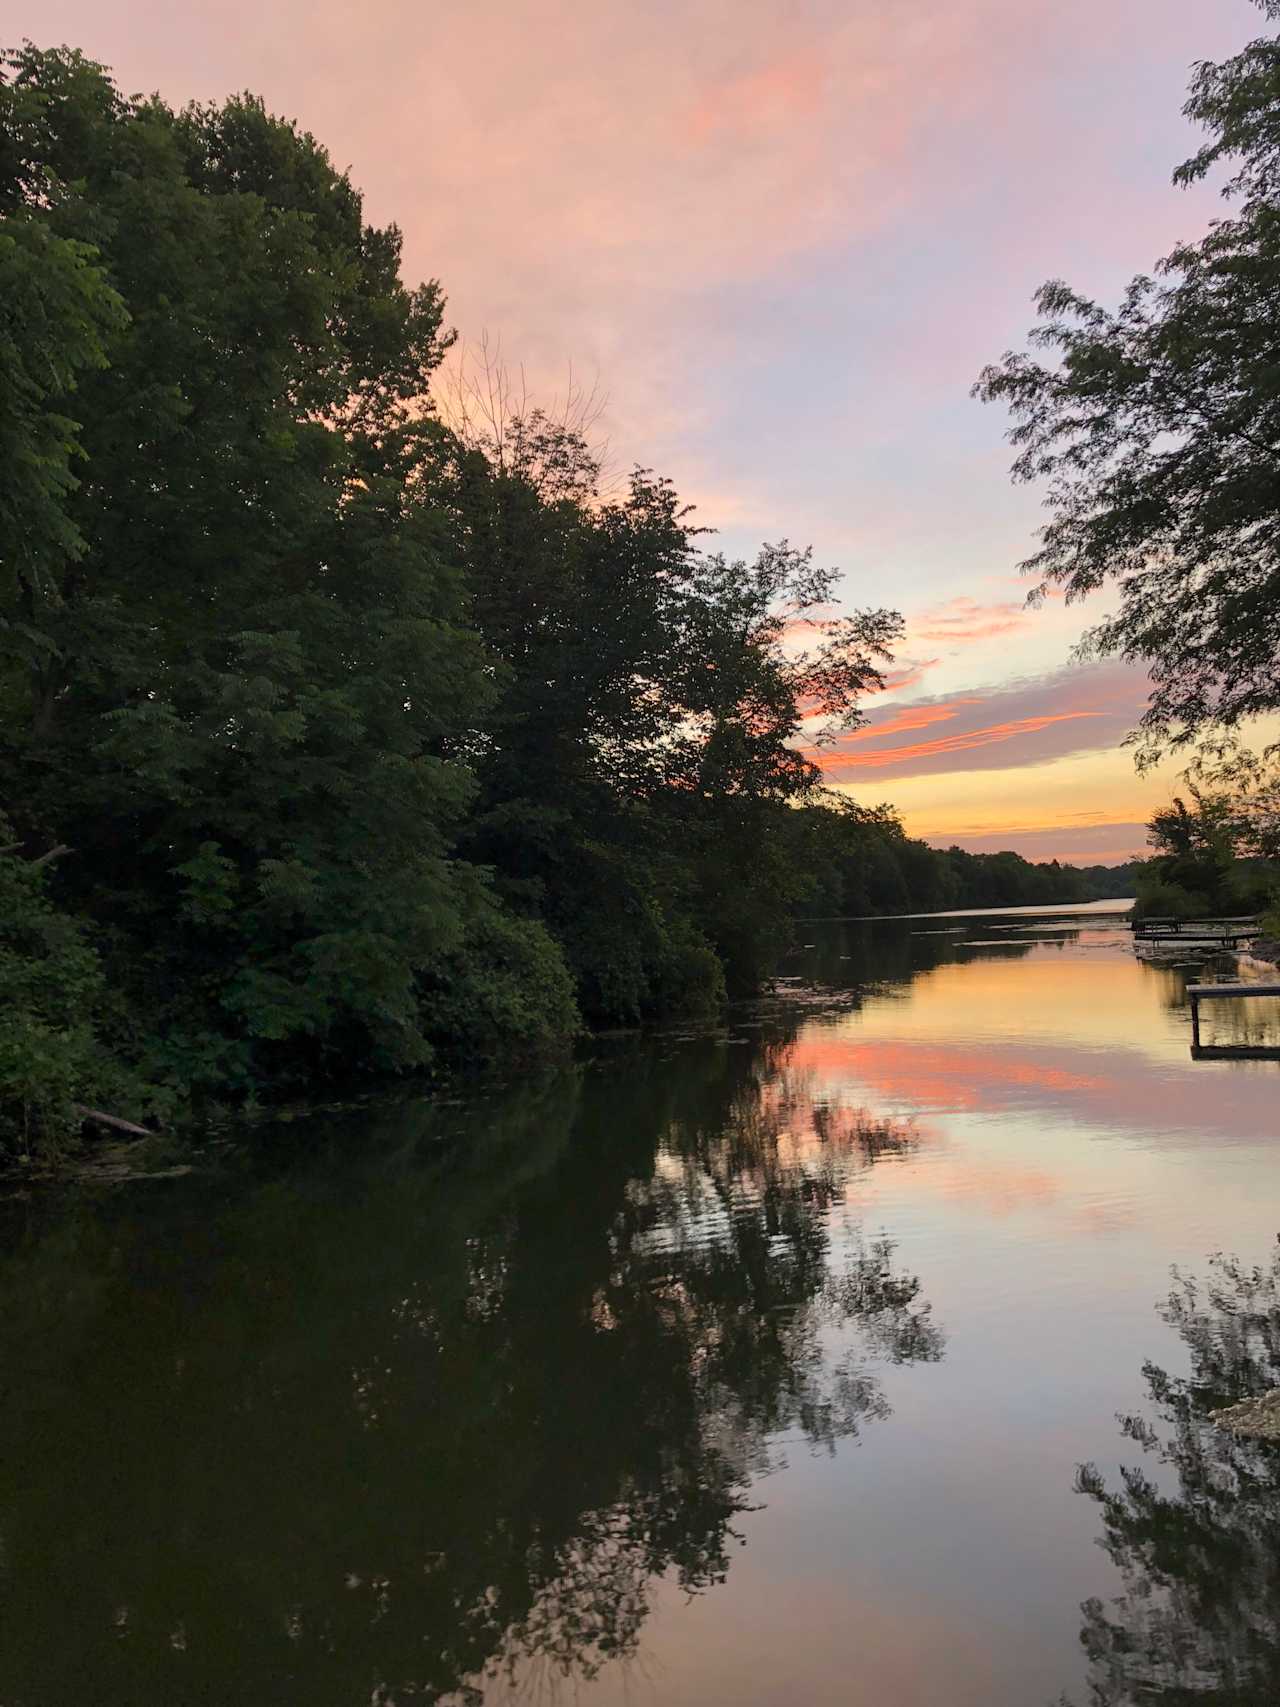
x=748, y=1368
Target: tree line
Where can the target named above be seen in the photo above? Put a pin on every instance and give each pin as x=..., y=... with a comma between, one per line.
x=339, y=740
x=335, y=740
x=859, y=862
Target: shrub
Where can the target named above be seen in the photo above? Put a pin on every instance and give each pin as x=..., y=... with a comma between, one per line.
x=503, y=994
x=52, y=993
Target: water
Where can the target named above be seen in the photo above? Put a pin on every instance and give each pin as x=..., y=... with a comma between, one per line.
x=749, y=1367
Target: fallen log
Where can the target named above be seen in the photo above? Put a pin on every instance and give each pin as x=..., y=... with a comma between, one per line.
x=53, y=853
x=112, y=1120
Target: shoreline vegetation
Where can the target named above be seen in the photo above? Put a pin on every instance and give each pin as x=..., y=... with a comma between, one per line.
x=339, y=739
x=354, y=728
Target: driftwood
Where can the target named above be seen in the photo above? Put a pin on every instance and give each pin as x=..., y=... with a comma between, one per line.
x=112, y=1120
x=45, y=858
x=53, y=853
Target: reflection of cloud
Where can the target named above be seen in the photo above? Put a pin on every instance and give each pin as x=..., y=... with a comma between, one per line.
x=1093, y=1087
x=956, y=1077
x=1069, y=711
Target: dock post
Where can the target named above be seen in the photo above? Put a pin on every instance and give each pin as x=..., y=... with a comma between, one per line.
x=1195, y=1022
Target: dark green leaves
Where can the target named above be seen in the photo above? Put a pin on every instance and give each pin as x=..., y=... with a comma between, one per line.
x=1156, y=428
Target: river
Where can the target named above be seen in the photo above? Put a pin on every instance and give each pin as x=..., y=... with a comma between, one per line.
x=784, y=1362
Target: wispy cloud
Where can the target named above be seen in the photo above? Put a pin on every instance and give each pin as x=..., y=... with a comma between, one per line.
x=910, y=675
x=961, y=620
x=1069, y=711
x=945, y=746
x=910, y=717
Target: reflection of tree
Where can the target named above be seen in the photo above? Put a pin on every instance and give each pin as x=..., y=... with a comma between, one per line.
x=853, y=954
x=379, y=1429
x=1199, y=1619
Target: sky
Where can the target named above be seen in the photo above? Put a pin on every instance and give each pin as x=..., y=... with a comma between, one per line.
x=781, y=237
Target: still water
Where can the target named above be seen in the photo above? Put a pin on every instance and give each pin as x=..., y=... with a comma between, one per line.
x=827, y=1359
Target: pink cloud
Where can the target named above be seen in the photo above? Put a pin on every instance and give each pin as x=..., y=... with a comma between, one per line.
x=911, y=717
x=909, y=676
x=770, y=96
x=1073, y=710
x=961, y=620
x=947, y=744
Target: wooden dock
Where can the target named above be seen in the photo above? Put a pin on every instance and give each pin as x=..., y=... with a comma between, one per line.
x=1197, y=993
x=1196, y=933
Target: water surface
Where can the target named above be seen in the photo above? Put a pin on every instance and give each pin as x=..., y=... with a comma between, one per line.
x=744, y=1367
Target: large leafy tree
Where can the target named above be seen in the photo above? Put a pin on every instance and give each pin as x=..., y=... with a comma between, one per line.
x=367, y=736
x=639, y=767
x=240, y=687
x=1157, y=429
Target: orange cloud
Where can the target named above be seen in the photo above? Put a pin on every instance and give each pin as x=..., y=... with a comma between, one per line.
x=914, y=717
x=1096, y=841
x=1027, y=722
x=908, y=677
x=846, y=761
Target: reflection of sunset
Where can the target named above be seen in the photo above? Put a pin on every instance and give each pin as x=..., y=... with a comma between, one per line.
x=1079, y=1033
x=938, y=1076
x=1047, y=993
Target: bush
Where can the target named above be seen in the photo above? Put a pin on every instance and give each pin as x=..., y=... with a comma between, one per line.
x=1158, y=898
x=503, y=994
x=52, y=993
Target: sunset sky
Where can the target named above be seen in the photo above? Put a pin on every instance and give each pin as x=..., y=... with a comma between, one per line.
x=784, y=236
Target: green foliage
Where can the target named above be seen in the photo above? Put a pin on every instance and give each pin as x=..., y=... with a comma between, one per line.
x=240, y=694
x=384, y=745
x=643, y=754
x=1214, y=855
x=1154, y=426
x=502, y=995
x=56, y=313
x=52, y=1000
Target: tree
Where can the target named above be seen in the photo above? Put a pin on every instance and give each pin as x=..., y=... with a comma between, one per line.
x=638, y=770
x=244, y=689
x=1219, y=853
x=57, y=313
x=381, y=742
x=52, y=1003
x=1157, y=429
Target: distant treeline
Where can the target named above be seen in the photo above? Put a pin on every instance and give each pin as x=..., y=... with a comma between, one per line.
x=860, y=862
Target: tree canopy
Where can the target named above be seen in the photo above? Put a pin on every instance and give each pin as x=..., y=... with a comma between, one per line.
x=340, y=740
x=1156, y=428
